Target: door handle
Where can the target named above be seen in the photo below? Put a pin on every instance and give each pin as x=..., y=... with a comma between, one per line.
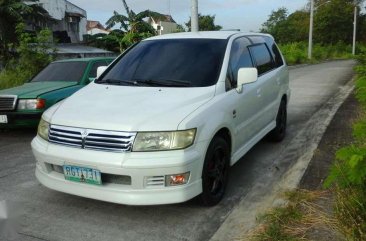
x=259, y=92
x=278, y=80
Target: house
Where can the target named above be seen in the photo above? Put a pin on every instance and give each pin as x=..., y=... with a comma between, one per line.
x=66, y=20
x=163, y=25
x=95, y=27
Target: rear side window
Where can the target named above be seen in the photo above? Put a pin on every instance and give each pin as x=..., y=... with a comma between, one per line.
x=262, y=57
x=274, y=51
x=277, y=56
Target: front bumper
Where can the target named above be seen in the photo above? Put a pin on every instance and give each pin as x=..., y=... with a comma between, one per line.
x=138, y=166
x=21, y=119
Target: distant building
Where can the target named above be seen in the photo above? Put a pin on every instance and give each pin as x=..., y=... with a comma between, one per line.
x=95, y=27
x=163, y=25
x=66, y=20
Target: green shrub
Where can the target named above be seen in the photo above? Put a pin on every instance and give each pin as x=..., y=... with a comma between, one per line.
x=348, y=174
x=297, y=53
x=34, y=53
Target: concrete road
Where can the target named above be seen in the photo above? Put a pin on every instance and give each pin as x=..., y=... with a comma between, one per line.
x=50, y=215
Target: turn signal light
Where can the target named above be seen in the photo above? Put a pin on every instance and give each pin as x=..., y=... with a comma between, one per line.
x=177, y=179
x=41, y=104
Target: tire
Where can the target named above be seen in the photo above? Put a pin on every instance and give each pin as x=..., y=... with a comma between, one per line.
x=279, y=132
x=215, y=172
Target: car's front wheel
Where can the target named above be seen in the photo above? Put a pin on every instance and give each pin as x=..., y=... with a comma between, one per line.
x=215, y=172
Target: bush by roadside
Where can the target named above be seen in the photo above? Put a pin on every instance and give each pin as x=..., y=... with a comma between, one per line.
x=297, y=53
x=348, y=174
x=338, y=213
x=33, y=55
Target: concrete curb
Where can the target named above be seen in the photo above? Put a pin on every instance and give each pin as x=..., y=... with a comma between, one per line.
x=243, y=217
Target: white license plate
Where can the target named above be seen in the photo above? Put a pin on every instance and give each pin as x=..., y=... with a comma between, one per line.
x=3, y=119
x=82, y=174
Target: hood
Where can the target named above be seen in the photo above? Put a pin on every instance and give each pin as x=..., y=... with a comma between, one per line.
x=35, y=89
x=121, y=108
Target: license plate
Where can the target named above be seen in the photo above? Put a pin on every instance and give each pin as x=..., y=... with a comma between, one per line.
x=3, y=119
x=82, y=174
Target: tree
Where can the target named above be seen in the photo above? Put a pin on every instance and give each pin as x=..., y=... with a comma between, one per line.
x=205, y=23
x=275, y=19
x=133, y=24
x=333, y=22
x=33, y=53
x=287, y=28
x=13, y=12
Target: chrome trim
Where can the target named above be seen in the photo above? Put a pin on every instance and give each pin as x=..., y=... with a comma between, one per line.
x=101, y=140
x=155, y=181
x=15, y=99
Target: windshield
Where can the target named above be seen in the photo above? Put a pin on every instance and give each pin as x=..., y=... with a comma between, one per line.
x=62, y=71
x=173, y=62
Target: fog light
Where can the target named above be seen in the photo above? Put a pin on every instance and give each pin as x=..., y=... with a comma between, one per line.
x=177, y=179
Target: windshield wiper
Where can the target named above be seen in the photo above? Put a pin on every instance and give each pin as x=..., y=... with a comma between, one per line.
x=117, y=82
x=165, y=82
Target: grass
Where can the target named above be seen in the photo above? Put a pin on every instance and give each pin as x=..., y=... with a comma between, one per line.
x=293, y=221
x=297, y=53
x=346, y=184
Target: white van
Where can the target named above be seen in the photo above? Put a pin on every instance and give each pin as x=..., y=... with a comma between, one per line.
x=166, y=120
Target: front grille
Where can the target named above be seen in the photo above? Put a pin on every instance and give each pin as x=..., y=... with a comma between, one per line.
x=92, y=139
x=155, y=181
x=7, y=102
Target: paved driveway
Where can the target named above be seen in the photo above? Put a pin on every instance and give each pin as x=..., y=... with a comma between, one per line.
x=50, y=215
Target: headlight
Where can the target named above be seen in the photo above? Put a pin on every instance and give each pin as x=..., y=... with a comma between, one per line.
x=43, y=129
x=163, y=141
x=31, y=104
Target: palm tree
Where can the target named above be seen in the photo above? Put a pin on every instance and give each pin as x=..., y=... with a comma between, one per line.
x=133, y=23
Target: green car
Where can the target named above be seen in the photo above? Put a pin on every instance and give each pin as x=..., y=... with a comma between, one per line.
x=23, y=106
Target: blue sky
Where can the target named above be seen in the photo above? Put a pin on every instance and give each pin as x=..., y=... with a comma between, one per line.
x=247, y=15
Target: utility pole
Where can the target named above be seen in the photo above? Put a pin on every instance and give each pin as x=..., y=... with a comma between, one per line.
x=194, y=16
x=310, y=50
x=354, y=30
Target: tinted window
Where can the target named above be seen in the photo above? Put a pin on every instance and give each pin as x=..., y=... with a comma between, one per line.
x=196, y=61
x=93, y=70
x=277, y=56
x=239, y=58
x=262, y=57
x=62, y=71
x=274, y=51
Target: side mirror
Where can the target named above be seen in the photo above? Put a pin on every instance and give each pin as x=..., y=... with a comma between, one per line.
x=100, y=70
x=246, y=76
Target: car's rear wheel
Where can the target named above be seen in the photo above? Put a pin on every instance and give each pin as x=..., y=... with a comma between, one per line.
x=279, y=133
x=215, y=172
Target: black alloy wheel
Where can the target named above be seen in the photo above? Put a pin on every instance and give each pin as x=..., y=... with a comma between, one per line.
x=215, y=172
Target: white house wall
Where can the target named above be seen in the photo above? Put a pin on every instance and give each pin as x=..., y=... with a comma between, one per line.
x=56, y=8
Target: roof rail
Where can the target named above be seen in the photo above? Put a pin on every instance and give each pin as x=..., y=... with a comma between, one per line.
x=236, y=29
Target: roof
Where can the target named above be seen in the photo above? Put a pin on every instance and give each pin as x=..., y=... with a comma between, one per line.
x=84, y=59
x=78, y=49
x=94, y=24
x=164, y=18
x=205, y=34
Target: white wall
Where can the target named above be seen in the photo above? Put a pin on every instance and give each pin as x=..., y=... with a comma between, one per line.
x=97, y=31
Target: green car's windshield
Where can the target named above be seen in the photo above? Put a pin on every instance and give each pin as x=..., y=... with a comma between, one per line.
x=62, y=71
